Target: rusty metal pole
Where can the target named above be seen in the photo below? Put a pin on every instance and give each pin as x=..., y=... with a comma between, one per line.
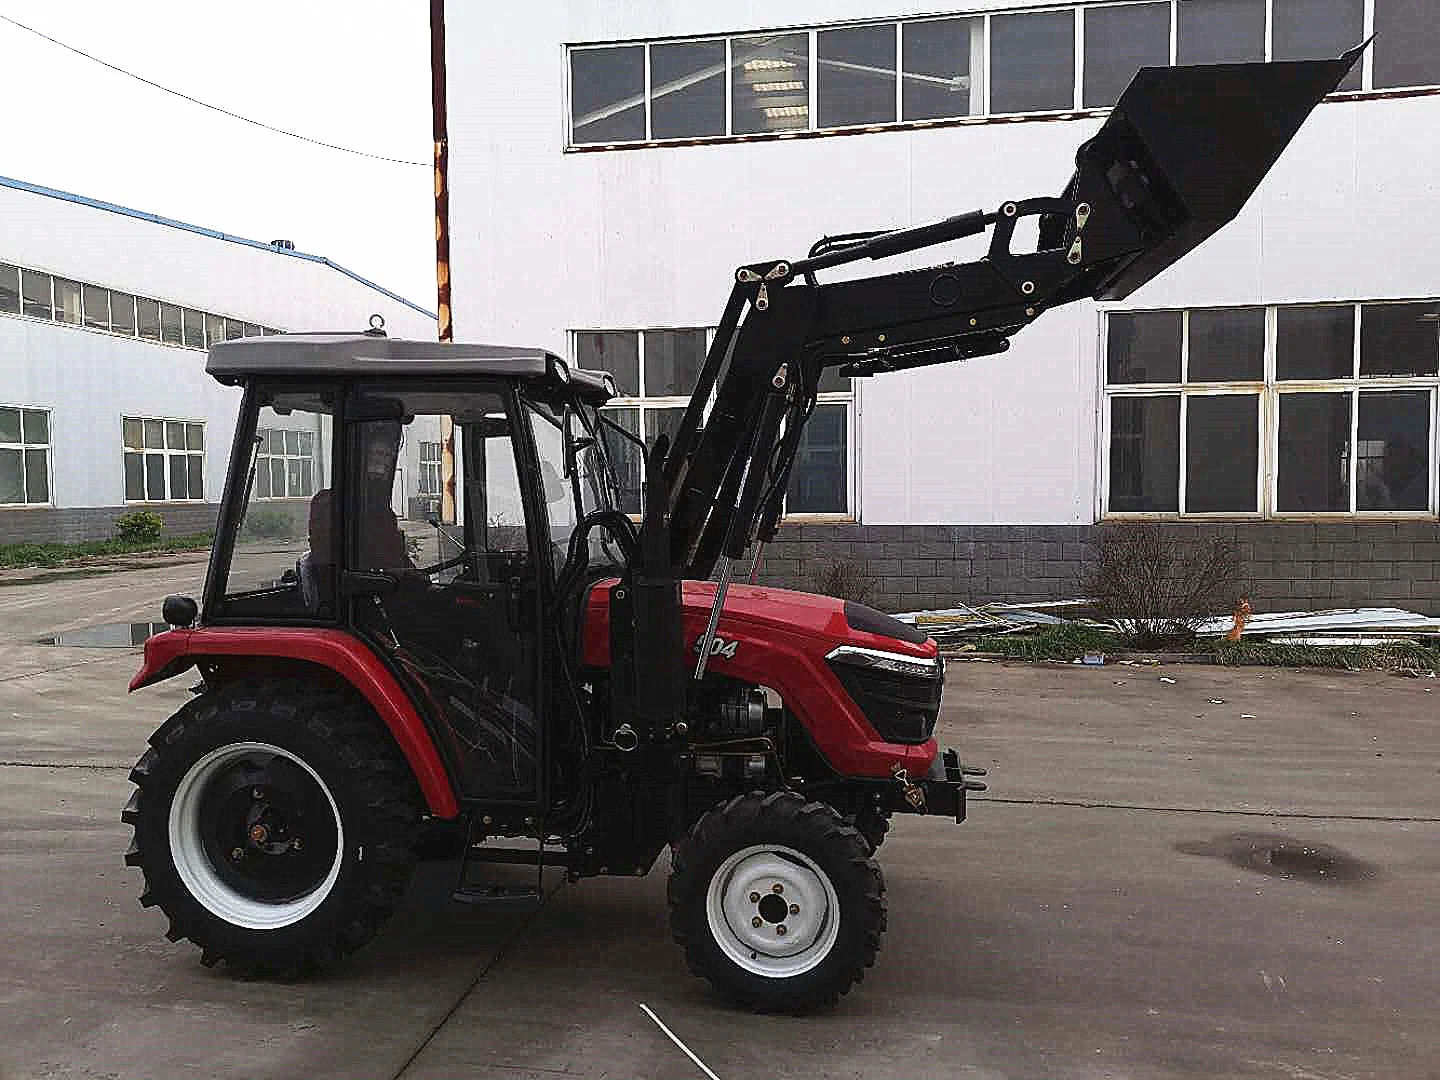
x=440, y=129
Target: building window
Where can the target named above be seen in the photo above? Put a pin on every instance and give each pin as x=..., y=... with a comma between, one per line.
x=855, y=75
x=430, y=468
x=164, y=460
x=9, y=289
x=284, y=464
x=24, y=456
x=655, y=372
x=834, y=77
x=1119, y=41
x=1298, y=409
x=35, y=294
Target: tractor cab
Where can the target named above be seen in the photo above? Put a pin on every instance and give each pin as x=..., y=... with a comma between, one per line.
x=422, y=498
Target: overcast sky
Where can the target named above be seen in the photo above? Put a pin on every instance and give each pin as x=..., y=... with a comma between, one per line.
x=351, y=72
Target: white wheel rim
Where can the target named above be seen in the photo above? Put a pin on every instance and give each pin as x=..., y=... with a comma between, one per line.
x=198, y=872
x=751, y=886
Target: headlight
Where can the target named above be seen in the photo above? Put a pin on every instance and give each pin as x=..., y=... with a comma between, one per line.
x=878, y=660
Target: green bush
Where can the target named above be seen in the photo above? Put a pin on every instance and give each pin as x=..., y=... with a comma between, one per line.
x=269, y=525
x=139, y=527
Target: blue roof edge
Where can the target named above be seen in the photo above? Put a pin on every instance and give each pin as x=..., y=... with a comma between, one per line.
x=156, y=219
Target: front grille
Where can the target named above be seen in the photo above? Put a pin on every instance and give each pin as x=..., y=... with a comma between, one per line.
x=902, y=708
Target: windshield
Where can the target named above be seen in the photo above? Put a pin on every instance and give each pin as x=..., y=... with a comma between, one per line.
x=575, y=488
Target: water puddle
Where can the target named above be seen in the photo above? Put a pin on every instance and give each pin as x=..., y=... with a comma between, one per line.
x=117, y=635
x=1284, y=856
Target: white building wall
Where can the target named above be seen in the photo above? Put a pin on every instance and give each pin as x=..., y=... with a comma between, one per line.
x=544, y=241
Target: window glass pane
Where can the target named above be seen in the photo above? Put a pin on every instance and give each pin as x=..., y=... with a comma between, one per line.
x=67, y=301
x=9, y=290
x=616, y=352
x=293, y=486
x=178, y=474
x=122, y=313
x=1220, y=31
x=1400, y=339
x=234, y=329
x=662, y=420
x=214, y=329
x=1145, y=454
x=12, y=477
x=1393, y=451
x=307, y=445
x=307, y=471
x=193, y=466
x=770, y=83
x=262, y=479
x=1143, y=346
x=292, y=442
x=1315, y=342
x=687, y=89
x=1119, y=41
x=147, y=318
x=274, y=441
x=37, y=476
x=97, y=307
x=855, y=73
x=1032, y=62
x=251, y=330
x=35, y=294
x=170, y=324
x=943, y=64
x=1317, y=30
x=10, y=425
x=134, y=477
x=1407, y=43
x=133, y=430
x=1314, y=453
x=624, y=457
x=36, y=427
x=154, y=434
x=1227, y=345
x=195, y=436
x=175, y=435
x=1222, y=453
x=194, y=329
x=277, y=477
x=819, y=481
x=155, y=477
x=832, y=382
x=607, y=94
x=673, y=359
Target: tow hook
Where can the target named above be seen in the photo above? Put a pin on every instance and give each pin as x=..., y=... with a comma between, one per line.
x=913, y=792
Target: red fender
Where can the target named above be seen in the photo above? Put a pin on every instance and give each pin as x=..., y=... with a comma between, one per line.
x=175, y=651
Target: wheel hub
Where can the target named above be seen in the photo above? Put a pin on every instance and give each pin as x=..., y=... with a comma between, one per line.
x=773, y=910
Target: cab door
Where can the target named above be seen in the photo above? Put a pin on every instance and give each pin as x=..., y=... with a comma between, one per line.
x=454, y=604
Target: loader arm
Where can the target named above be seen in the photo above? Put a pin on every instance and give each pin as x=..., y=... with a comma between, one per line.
x=1181, y=153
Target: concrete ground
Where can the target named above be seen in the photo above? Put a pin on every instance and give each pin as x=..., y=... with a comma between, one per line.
x=1122, y=904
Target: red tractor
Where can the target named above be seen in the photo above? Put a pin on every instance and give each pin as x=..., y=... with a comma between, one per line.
x=559, y=686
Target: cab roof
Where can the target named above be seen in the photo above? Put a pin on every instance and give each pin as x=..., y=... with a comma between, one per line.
x=234, y=362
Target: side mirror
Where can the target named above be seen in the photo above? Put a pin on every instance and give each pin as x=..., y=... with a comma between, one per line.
x=179, y=611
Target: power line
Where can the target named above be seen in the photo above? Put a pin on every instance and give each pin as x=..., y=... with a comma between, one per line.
x=206, y=104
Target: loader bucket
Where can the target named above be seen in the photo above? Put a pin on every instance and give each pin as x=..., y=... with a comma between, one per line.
x=1197, y=141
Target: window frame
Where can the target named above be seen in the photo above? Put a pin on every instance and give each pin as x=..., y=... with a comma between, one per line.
x=25, y=445
x=641, y=404
x=166, y=452
x=1270, y=390
x=984, y=114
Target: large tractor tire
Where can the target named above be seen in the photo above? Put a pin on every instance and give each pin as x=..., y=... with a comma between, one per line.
x=777, y=902
x=275, y=822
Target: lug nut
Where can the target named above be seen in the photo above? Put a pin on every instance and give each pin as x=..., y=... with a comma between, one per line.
x=754, y=898
x=257, y=794
x=794, y=909
x=295, y=844
x=259, y=833
x=780, y=929
x=777, y=888
x=237, y=853
x=756, y=922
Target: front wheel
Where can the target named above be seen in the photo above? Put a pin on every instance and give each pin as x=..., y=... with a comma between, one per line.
x=275, y=822
x=776, y=902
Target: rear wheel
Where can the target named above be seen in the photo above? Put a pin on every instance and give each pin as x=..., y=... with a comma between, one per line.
x=777, y=902
x=275, y=823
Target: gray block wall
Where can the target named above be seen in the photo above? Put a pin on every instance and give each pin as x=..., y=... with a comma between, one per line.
x=1287, y=564
x=74, y=525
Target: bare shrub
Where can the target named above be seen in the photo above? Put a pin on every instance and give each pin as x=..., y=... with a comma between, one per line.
x=1158, y=586
x=842, y=579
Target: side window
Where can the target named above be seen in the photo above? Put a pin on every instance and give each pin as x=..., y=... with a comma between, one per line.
x=285, y=549
x=558, y=492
